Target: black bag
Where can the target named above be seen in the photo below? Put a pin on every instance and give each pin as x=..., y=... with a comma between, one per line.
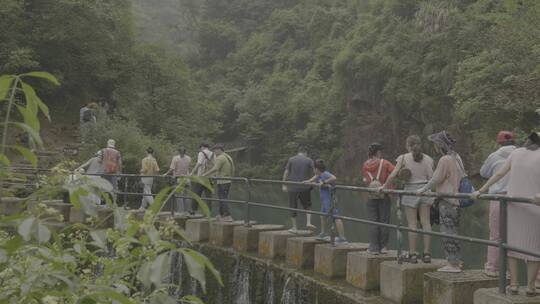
x=434, y=213
x=87, y=115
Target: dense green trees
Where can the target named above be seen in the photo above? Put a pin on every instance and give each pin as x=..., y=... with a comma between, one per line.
x=332, y=75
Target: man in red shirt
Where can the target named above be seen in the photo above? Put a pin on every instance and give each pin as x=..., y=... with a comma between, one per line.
x=375, y=171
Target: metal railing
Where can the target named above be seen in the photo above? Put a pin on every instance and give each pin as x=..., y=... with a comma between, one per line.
x=501, y=244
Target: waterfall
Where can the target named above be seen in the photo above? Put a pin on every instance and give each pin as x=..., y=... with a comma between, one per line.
x=270, y=293
x=241, y=286
x=289, y=292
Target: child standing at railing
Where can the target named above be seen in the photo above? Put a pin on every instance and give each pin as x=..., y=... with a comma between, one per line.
x=326, y=179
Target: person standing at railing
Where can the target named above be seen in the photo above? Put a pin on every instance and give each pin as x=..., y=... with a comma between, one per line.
x=299, y=168
x=326, y=179
x=492, y=164
x=523, y=167
x=92, y=167
x=446, y=179
x=149, y=166
x=415, y=169
x=223, y=167
x=112, y=164
x=375, y=171
x=180, y=167
x=205, y=161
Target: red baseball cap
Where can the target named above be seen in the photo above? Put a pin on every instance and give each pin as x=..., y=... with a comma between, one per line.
x=505, y=136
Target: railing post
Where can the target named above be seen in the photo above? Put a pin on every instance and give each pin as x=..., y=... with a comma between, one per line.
x=247, y=220
x=503, y=218
x=331, y=221
x=125, y=190
x=399, y=236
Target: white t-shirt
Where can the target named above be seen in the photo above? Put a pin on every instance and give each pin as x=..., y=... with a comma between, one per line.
x=203, y=159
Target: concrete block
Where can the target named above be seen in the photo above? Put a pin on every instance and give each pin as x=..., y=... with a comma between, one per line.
x=331, y=261
x=492, y=296
x=246, y=239
x=182, y=219
x=105, y=217
x=363, y=268
x=198, y=230
x=273, y=244
x=455, y=288
x=11, y=205
x=301, y=252
x=404, y=284
x=221, y=233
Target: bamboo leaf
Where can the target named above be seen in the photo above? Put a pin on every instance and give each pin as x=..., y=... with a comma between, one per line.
x=191, y=300
x=202, y=204
x=33, y=99
x=4, y=160
x=114, y=295
x=25, y=228
x=100, y=238
x=33, y=134
x=160, y=268
x=41, y=233
x=156, y=206
x=144, y=275
x=203, y=181
x=29, y=155
x=42, y=75
x=5, y=84
x=196, y=265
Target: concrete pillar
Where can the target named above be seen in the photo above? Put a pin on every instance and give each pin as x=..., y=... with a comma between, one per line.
x=198, y=230
x=182, y=219
x=404, y=284
x=492, y=296
x=301, y=252
x=273, y=244
x=363, y=268
x=11, y=205
x=455, y=288
x=221, y=233
x=331, y=261
x=246, y=239
x=63, y=208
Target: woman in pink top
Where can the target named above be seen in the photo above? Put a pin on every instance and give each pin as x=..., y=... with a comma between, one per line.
x=446, y=179
x=523, y=167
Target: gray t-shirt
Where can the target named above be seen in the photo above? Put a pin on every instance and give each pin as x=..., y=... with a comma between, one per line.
x=300, y=168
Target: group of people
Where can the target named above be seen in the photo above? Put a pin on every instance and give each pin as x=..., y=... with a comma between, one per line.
x=107, y=163
x=511, y=170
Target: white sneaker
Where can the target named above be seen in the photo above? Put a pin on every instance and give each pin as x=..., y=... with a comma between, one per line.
x=341, y=241
x=217, y=218
x=311, y=227
x=450, y=269
x=293, y=230
x=227, y=219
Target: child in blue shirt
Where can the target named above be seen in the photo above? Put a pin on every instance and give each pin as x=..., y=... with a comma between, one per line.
x=323, y=177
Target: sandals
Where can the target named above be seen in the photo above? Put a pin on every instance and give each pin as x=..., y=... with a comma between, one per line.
x=413, y=258
x=531, y=293
x=426, y=258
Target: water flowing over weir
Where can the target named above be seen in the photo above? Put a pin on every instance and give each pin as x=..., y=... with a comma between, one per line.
x=251, y=280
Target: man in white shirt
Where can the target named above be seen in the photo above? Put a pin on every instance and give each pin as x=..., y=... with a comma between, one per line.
x=205, y=162
x=180, y=168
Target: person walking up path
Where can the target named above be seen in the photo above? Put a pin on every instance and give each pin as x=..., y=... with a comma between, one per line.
x=375, y=171
x=149, y=166
x=179, y=168
x=415, y=169
x=326, y=179
x=523, y=168
x=299, y=168
x=492, y=165
x=205, y=161
x=223, y=167
x=446, y=179
x=112, y=164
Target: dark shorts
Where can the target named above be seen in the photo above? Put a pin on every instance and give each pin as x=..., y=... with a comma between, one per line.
x=304, y=197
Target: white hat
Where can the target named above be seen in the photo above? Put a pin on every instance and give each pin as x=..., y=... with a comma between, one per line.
x=111, y=143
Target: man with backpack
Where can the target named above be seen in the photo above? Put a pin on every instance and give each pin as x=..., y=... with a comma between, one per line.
x=205, y=161
x=112, y=164
x=223, y=167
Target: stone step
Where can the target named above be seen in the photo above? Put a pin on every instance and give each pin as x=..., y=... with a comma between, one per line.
x=246, y=239
x=198, y=230
x=331, y=261
x=455, y=288
x=404, y=283
x=11, y=205
x=221, y=233
x=363, y=268
x=492, y=296
x=301, y=252
x=273, y=244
